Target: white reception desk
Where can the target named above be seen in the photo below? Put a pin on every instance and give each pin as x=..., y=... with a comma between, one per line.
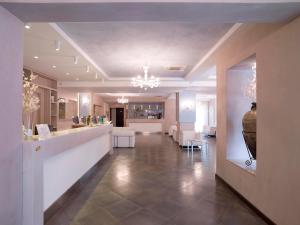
x=51, y=166
x=146, y=125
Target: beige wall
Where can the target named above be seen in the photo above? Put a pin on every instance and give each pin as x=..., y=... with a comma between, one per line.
x=63, y=124
x=275, y=187
x=170, y=113
x=98, y=100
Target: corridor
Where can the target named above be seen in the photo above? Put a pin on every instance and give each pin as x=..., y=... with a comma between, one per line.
x=155, y=183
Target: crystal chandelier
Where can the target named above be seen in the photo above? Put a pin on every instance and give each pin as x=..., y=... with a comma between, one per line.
x=122, y=100
x=145, y=82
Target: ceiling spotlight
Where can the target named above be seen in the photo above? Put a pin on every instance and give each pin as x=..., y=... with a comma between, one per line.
x=27, y=26
x=87, y=69
x=76, y=59
x=67, y=73
x=53, y=66
x=36, y=57
x=57, y=45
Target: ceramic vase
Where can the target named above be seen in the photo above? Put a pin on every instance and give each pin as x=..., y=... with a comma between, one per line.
x=249, y=130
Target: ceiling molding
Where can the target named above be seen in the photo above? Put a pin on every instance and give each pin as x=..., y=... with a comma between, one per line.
x=231, y=31
x=79, y=49
x=117, y=84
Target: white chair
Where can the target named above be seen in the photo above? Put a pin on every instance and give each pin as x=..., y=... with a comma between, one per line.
x=209, y=131
x=171, y=129
x=185, y=136
x=123, y=137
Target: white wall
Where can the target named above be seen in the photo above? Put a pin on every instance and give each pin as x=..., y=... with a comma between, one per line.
x=237, y=105
x=212, y=113
x=187, y=107
x=11, y=64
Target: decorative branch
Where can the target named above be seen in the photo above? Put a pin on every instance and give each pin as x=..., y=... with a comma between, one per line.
x=30, y=99
x=250, y=91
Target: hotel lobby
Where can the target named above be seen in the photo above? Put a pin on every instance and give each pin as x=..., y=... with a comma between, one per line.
x=149, y=112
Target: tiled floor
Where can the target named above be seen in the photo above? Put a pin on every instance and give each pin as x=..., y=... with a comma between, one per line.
x=154, y=184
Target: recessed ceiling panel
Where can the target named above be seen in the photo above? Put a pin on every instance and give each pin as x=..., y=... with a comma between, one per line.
x=122, y=48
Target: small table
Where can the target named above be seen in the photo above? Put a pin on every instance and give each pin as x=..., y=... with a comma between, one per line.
x=116, y=137
x=193, y=142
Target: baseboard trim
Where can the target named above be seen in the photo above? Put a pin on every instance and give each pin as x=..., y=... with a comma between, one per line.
x=262, y=215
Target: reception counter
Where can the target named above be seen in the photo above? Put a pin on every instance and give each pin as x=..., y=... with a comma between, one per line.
x=146, y=125
x=52, y=165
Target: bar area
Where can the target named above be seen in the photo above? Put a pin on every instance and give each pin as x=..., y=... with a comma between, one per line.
x=146, y=117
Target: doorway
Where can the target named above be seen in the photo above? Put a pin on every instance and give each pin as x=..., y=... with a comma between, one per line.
x=117, y=117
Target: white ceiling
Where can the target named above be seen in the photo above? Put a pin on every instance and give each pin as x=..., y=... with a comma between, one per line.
x=39, y=41
x=122, y=48
x=141, y=11
x=116, y=39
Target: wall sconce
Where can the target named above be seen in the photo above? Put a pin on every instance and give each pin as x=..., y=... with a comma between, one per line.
x=188, y=105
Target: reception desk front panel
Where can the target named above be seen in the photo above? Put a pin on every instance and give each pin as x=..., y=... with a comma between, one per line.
x=53, y=165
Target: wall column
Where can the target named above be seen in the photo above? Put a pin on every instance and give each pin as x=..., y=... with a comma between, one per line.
x=11, y=63
x=185, y=111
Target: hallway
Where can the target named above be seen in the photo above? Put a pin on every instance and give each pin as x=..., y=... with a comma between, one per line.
x=154, y=184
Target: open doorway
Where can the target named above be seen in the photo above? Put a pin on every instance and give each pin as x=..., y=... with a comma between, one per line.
x=117, y=117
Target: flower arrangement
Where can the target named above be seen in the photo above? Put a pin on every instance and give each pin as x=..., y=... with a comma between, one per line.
x=250, y=91
x=31, y=101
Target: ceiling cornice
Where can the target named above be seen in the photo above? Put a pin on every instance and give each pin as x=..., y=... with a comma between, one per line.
x=229, y=33
x=79, y=49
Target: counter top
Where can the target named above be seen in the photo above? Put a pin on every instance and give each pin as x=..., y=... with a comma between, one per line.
x=56, y=134
x=145, y=120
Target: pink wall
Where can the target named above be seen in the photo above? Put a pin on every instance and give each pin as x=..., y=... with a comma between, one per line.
x=98, y=100
x=11, y=64
x=170, y=113
x=274, y=189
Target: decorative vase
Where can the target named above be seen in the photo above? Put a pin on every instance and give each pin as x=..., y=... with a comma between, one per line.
x=28, y=123
x=249, y=129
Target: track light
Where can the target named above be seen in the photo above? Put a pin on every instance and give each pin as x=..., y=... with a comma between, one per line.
x=76, y=60
x=57, y=45
x=27, y=26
